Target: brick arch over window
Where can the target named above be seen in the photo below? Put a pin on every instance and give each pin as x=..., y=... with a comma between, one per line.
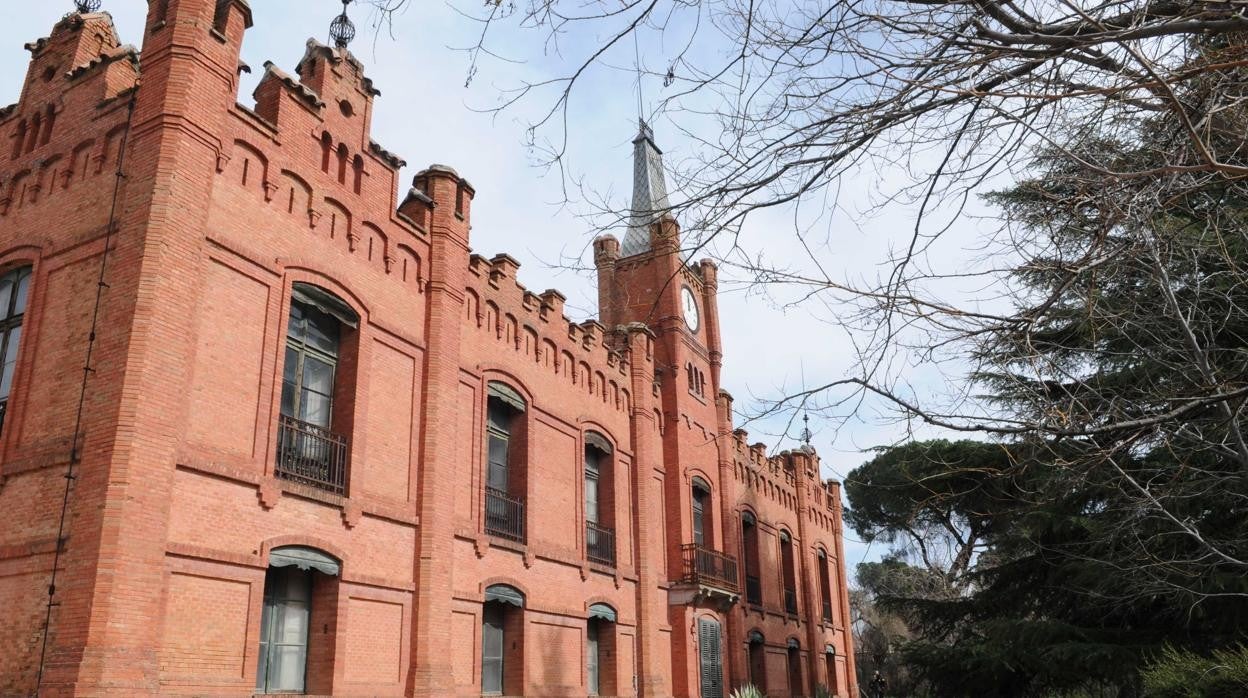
x=503, y=581
x=300, y=540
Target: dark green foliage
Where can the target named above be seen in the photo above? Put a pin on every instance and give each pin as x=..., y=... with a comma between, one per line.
x=1113, y=522
x=1182, y=674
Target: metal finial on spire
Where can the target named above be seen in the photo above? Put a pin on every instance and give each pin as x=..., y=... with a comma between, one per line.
x=806, y=433
x=85, y=6
x=342, y=30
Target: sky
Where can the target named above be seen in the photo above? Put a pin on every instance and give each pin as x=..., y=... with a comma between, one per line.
x=529, y=211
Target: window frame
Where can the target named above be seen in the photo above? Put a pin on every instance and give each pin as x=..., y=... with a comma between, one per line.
x=12, y=324
x=303, y=350
x=269, y=621
x=494, y=611
x=700, y=505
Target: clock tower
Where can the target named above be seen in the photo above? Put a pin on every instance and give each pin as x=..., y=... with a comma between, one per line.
x=649, y=279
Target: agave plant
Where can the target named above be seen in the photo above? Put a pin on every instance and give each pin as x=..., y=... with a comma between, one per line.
x=749, y=690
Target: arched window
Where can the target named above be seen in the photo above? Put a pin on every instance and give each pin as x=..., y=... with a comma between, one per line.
x=749, y=543
x=502, y=640
x=600, y=645
x=829, y=661
x=701, y=498
x=790, y=574
x=825, y=585
x=312, y=446
x=290, y=657
x=794, y=660
x=357, y=168
x=14, y=293
x=599, y=500
x=757, y=651
x=505, y=477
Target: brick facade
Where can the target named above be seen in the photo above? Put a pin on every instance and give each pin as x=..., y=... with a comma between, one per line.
x=179, y=508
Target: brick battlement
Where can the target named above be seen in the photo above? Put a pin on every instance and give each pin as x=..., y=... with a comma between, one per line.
x=584, y=355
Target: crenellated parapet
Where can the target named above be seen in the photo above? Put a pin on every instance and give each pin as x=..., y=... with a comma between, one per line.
x=585, y=356
x=777, y=477
x=65, y=130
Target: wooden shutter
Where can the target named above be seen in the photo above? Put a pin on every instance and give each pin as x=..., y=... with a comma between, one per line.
x=710, y=661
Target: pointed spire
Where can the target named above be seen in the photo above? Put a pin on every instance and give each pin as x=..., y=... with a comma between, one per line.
x=649, y=192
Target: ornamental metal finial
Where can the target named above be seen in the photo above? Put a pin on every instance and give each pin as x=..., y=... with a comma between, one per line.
x=85, y=6
x=806, y=434
x=342, y=30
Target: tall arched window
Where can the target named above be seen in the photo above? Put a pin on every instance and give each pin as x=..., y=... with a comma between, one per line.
x=599, y=500
x=757, y=652
x=794, y=661
x=829, y=661
x=599, y=649
x=701, y=498
x=749, y=543
x=502, y=641
x=312, y=446
x=14, y=292
x=505, y=477
x=825, y=586
x=790, y=573
x=292, y=660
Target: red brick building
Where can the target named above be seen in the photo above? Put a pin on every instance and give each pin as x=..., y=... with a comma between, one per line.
x=324, y=448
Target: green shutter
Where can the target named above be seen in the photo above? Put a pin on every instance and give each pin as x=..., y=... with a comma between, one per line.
x=710, y=661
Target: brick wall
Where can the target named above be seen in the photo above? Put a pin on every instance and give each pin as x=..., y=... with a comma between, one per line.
x=178, y=503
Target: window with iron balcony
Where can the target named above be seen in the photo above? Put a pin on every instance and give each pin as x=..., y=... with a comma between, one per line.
x=317, y=390
x=701, y=563
x=599, y=500
x=506, y=473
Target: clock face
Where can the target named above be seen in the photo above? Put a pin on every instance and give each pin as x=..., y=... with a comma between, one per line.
x=689, y=306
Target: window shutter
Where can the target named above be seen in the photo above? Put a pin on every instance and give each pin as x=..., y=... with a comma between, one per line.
x=712, y=673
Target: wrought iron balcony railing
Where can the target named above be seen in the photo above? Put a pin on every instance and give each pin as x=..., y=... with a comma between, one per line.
x=599, y=544
x=504, y=515
x=311, y=455
x=707, y=567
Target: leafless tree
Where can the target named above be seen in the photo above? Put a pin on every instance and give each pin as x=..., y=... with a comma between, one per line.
x=1124, y=122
